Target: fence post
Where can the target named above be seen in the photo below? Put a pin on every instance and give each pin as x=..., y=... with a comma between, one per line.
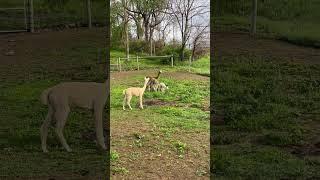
x=31, y=14
x=189, y=63
x=254, y=17
x=89, y=14
x=138, y=62
x=120, y=64
x=171, y=58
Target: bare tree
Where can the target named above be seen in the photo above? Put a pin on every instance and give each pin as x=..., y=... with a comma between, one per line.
x=200, y=33
x=126, y=30
x=184, y=11
x=151, y=13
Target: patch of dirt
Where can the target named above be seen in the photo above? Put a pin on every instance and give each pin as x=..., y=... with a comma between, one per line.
x=21, y=53
x=158, y=102
x=305, y=150
x=156, y=158
x=217, y=120
x=116, y=76
x=239, y=44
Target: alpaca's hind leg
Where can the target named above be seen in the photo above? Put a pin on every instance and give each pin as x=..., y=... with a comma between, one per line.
x=128, y=101
x=98, y=111
x=61, y=115
x=44, y=129
x=124, y=102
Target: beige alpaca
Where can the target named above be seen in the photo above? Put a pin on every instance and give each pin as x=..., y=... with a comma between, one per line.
x=59, y=98
x=134, y=91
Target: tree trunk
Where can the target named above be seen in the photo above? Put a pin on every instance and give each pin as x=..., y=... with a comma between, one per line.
x=126, y=29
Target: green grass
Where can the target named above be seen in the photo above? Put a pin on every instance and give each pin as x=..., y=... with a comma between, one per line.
x=199, y=66
x=181, y=113
x=296, y=31
x=267, y=106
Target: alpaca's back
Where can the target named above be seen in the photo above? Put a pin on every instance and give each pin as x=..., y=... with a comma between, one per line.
x=133, y=91
x=82, y=94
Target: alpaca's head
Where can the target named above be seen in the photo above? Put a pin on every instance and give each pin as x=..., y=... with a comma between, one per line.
x=146, y=79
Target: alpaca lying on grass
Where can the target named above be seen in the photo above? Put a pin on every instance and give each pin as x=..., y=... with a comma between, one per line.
x=134, y=91
x=59, y=98
x=162, y=87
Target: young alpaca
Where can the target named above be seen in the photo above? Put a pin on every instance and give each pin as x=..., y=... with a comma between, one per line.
x=153, y=82
x=134, y=91
x=59, y=98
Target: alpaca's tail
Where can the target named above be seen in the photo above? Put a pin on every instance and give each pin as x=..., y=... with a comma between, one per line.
x=44, y=96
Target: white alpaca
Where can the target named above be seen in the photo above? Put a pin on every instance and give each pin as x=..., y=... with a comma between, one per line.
x=162, y=87
x=59, y=98
x=134, y=91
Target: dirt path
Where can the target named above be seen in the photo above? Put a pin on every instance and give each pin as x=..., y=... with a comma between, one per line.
x=236, y=44
x=21, y=53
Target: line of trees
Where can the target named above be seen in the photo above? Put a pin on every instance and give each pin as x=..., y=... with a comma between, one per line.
x=154, y=23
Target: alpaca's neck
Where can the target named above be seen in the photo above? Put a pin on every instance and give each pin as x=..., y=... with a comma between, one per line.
x=144, y=86
x=158, y=75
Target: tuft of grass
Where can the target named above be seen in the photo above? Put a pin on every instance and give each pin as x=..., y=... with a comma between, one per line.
x=114, y=156
x=180, y=148
x=120, y=170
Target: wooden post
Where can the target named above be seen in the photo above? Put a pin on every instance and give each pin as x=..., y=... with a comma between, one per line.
x=89, y=14
x=171, y=60
x=31, y=14
x=254, y=17
x=138, y=62
x=120, y=64
x=189, y=63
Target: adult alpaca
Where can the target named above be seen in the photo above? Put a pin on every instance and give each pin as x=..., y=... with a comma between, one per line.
x=59, y=98
x=134, y=91
x=153, y=82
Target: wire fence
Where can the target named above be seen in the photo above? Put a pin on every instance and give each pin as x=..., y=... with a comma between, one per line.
x=140, y=62
x=16, y=14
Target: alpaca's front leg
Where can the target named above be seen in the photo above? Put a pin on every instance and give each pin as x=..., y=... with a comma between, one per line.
x=141, y=106
x=128, y=101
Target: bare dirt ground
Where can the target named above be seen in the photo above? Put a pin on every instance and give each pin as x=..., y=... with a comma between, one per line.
x=237, y=44
x=20, y=53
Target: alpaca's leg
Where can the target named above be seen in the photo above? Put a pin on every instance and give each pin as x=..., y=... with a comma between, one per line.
x=44, y=129
x=61, y=115
x=124, y=102
x=128, y=101
x=140, y=98
x=99, y=125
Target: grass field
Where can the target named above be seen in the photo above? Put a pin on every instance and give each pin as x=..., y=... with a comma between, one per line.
x=171, y=134
x=266, y=119
x=293, y=21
